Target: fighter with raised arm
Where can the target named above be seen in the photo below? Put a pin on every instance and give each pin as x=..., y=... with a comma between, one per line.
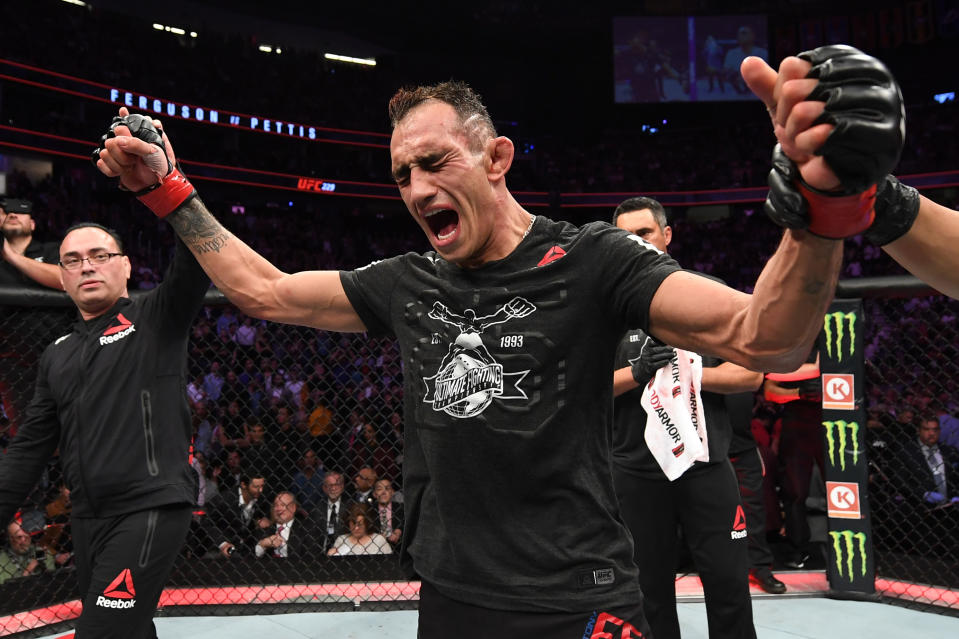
x=509, y=420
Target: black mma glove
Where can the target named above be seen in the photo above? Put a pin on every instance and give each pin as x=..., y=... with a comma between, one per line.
x=896, y=204
x=864, y=105
x=651, y=359
x=172, y=189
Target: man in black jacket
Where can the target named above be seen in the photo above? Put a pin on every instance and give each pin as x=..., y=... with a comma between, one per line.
x=241, y=513
x=111, y=395
x=329, y=512
x=929, y=469
x=289, y=535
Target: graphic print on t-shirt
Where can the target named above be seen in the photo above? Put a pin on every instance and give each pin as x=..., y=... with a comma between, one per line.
x=469, y=378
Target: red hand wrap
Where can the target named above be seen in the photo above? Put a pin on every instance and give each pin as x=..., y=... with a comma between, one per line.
x=839, y=216
x=173, y=191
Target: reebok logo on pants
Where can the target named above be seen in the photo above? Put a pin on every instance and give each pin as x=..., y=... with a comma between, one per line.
x=120, y=593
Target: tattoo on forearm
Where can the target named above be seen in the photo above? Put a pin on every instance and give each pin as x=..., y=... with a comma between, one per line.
x=198, y=229
x=813, y=286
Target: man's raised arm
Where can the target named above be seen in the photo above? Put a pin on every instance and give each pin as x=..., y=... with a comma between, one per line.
x=139, y=153
x=928, y=249
x=770, y=330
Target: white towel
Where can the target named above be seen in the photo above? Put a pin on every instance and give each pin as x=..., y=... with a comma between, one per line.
x=676, y=423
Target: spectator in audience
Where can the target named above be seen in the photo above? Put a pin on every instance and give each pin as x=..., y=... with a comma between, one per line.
x=25, y=260
x=308, y=482
x=255, y=397
x=233, y=391
x=242, y=514
x=371, y=451
x=21, y=558
x=210, y=475
x=226, y=321
x=904, y=425
x=232, y=433
x=232, y=472
x=325, y=439
x=245, y=335
x=329, y=512
x=363, y=485
x=295, y=385
x=195, y=391
x=288, y=536
x=203, y=430
x=390, y=512
x=262, y=454
x=363, y=538
x=276, y=388
x=929, y=469
x=250, y=373
x=948, y=423
x=283, y=431
x=213, y=382
x=58, y=537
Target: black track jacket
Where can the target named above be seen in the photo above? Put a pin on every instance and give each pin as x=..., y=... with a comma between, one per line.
x=111, y=394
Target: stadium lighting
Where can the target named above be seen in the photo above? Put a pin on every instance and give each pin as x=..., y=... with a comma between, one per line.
x=345, y=58
x=79, y=3
x=174, y=30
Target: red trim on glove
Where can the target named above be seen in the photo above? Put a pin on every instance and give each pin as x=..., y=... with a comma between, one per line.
x=839, y=216
x=173, y=191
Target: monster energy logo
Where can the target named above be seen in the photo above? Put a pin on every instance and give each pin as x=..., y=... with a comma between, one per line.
x=838, y=428
x=840, y=320
x=848, y=537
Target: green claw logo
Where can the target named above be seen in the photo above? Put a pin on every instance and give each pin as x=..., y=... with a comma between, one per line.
x=840, y=321
x=848, y=537
x=839, y=428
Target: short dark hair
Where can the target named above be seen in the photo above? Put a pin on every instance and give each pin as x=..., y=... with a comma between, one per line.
x=357, y=509
x=93, y=225
x=250, y=475
x=467, y=103
x=640, y=203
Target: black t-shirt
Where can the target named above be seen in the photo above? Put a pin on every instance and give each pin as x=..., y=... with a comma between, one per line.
x=508, y=397
x=48, y=252
x=630, y=452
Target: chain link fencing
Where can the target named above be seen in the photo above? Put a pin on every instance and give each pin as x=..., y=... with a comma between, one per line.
x=912, y=435
x=282, y=414
x=281, y=408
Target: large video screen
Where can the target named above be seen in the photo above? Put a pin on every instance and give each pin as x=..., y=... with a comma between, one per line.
x=685, y=59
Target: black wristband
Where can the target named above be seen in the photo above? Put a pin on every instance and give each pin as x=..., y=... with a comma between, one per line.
x=897, y=206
